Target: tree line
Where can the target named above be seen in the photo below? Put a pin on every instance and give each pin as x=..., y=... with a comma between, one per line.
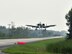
x=25, y=32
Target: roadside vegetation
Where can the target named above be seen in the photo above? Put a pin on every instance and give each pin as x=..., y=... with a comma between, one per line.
x=63, y=47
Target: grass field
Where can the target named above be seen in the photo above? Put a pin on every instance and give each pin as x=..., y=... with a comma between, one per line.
x=40, y=47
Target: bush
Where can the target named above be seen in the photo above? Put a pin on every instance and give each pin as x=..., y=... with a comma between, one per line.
x=63, y=47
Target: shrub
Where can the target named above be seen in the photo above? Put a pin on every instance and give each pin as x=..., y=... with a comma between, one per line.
x=63, y=47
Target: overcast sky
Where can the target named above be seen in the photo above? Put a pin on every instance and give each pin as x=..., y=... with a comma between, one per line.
x=23, y=12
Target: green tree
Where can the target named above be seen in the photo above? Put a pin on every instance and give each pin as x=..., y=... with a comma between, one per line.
x=69, y=24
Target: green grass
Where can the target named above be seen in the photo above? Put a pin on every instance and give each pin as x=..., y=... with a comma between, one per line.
x=39, y=47
x=63, y=47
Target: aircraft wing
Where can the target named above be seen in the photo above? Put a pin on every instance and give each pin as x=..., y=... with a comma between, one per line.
x=49, y=26
x=31, y=26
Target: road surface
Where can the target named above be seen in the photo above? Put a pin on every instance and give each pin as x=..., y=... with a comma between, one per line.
x=4, y=42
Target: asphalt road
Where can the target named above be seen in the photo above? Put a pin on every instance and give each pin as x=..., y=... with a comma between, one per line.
x=4, y=43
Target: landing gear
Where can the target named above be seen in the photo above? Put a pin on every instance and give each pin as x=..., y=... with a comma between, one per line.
x=36, y=29
x=45, y=29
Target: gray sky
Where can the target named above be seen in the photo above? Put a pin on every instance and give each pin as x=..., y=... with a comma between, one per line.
x=24, y=12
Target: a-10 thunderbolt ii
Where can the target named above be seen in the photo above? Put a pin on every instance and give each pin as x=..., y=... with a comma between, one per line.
x=40, y=25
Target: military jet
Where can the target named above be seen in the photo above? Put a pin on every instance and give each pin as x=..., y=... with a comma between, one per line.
x=40, y=25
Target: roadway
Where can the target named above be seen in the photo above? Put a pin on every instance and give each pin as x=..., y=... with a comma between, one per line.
x=5, y=42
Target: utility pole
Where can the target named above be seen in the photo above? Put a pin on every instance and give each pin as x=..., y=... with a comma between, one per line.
x=9, y=29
